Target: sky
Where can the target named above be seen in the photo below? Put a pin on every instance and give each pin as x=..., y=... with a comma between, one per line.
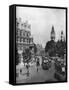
x=41, y=20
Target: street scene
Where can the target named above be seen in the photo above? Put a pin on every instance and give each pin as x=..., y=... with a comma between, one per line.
x=40, y=45
x=37, y=76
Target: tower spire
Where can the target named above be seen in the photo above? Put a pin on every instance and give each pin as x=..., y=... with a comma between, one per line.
x=52, y=33
x=62, y=36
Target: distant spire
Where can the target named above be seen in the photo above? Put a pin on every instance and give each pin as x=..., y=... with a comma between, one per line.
x=62, y=36
x=61, y=32
x=52, y=33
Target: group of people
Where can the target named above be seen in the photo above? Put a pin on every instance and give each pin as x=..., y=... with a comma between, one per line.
x=27, y=66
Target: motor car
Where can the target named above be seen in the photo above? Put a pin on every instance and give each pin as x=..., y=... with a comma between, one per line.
x=46, y=63
x=60, y=69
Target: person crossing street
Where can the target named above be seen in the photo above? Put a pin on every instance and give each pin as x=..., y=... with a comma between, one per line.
x=37, y=64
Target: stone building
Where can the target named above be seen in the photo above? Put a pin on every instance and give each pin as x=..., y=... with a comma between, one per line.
x=61, y=46
x=24, y=39
x=39, y=49
x=50, y=47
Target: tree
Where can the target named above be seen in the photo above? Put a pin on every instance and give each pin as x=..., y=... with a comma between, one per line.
x=27, y=59
x=27, y=56
x=50, y=48
x=35, y=48
x=60, y=47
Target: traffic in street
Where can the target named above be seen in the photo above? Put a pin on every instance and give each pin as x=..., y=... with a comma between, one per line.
x=44, y=72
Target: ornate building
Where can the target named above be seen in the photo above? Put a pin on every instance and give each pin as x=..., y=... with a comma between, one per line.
x=62, y=36
x=50, y=47
x=24, y=39
x=61, y=46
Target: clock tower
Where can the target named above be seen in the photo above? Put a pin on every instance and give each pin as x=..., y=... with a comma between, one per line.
x=52, y=33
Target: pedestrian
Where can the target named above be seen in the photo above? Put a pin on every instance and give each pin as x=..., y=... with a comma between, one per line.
x=27, y=66
x=37, y=63
x=21, y=71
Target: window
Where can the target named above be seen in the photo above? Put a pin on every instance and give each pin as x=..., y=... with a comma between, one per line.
x=22, y=26
x=17, y=24
x=21, y=32
x=18, y=32
x=27, y=41
x=17, y=39
x=27, y=34
x=21, y=40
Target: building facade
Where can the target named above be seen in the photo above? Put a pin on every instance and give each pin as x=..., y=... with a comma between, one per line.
x=24, y=39
x=61, y=46
x=56, y=48
x=50, y=47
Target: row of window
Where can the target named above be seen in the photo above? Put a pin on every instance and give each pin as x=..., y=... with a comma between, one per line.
x=30, y=40
x=23, y=25
x=22, y=33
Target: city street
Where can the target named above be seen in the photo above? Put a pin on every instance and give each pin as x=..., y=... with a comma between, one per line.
x=40, y=46
x=34, y=76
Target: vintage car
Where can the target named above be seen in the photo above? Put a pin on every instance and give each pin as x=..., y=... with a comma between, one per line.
x=46, y=63
x=60, y=69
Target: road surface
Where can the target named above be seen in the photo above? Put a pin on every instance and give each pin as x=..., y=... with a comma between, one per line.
x=34, y=76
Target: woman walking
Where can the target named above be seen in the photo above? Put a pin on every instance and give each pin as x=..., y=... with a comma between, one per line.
x=37, y=63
